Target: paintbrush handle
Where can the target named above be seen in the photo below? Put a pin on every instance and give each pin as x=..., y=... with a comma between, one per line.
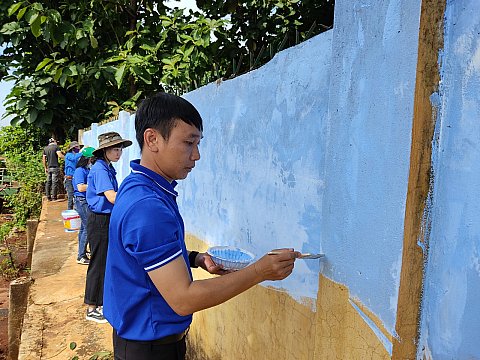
x=274, y=252
x=302, y=256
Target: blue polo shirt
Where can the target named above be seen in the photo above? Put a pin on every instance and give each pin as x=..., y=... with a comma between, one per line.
x=102, y=177
x=71, y=160
x=146, y=232
x=79, y=177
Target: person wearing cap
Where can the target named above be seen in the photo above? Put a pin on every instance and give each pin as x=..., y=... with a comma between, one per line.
x=101, y=192
x=71, y=158
x=50, y=156
x=80, y=202
x=150, y=294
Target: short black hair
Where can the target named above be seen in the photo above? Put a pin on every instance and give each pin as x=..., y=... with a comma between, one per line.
x=160, y=112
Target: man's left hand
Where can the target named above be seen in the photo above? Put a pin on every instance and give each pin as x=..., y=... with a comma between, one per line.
x=206, y=263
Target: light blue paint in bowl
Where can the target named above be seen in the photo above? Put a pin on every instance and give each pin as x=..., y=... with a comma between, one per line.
x=231, y=258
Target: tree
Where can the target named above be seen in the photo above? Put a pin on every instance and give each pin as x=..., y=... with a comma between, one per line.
x=69, y=59
x=261, y=28
x=74, y=63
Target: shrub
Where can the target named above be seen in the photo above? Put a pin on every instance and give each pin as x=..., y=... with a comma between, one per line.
x=23, y=153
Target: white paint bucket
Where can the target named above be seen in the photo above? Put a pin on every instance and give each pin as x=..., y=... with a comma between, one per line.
x=71, y=220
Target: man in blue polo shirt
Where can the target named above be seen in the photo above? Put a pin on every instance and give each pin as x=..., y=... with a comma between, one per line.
x=150, y=294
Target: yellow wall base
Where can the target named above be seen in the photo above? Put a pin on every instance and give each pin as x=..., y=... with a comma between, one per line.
x=265, y=323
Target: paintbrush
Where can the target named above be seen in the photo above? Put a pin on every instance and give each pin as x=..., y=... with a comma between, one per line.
x=301, y=256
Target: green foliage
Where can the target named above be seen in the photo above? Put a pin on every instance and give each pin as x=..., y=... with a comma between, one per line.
x=5, y=229
x=74, y=63
x=8, y=270
x=7, y=265
x=69, y=60
x=21, y=148
x=102, y=355
x=259, y=29
x=99, y=355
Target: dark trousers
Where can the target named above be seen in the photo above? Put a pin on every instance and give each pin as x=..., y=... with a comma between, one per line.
x=51, y=186
x=147, y=350
x=97, y=235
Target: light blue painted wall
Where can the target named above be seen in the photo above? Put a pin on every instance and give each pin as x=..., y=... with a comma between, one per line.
x=368, y=155
x=450, y=325
x=259, y=183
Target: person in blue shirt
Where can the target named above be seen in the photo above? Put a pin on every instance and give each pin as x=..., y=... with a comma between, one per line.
x=101, y=192
x=150, y=294
x=79, y=192
x=71, y=158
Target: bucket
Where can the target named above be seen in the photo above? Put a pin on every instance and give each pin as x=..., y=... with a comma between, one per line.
x=71, y=220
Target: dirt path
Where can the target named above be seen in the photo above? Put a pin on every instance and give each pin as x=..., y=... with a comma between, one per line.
x=56, y=314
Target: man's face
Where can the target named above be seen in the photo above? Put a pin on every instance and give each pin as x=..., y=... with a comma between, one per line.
x=177, y=155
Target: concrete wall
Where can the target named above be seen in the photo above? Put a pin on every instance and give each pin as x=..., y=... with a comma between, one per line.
x=368, y=155
x=260, y=186
x=315, y=150
x=294, y=158
x=451, y=314
x=260, y=182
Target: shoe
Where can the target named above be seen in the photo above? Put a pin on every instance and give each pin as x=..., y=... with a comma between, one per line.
x=88, y=255
x=95, y=315
x=83, y=261
x=100, y=309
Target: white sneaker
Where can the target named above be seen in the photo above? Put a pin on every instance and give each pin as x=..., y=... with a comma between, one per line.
x=95, y=315
x=83, y=261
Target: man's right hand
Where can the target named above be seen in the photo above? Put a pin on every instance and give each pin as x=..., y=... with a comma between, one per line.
x=185, y=296
x=276, y=266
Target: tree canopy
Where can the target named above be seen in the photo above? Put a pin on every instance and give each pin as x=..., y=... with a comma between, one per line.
x=74, y=63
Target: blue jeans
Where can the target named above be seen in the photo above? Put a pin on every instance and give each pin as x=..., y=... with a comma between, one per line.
x=69, y=189
x=81, y=207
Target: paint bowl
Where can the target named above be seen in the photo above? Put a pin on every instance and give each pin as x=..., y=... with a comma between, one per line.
x=231, y=258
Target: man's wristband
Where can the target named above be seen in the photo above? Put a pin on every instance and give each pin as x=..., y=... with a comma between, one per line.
x=191, y=259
